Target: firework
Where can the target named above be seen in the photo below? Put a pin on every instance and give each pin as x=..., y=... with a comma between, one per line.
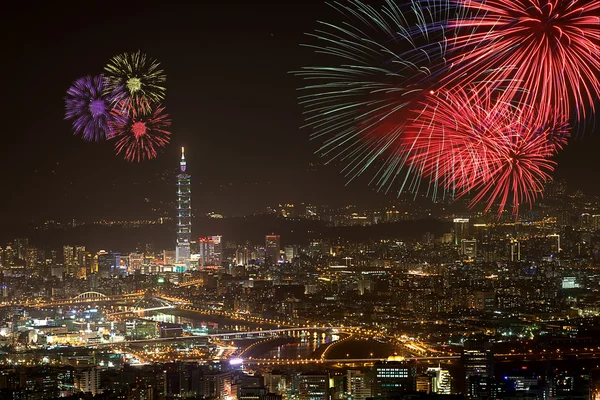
x=141, y=135
x=470, y=142
x=544, y=52
x=88, y=104
x=140, y=75
x=379, y=63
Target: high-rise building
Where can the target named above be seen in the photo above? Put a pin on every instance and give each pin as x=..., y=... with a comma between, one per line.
x=291, y=252
x=31, y=260
x=515, y=250
x=313, y=386
x=461, y=230
x=9, y=256
x=68, y=259
x=596, y=222
x=79, y=255
x=357, y=385
x=87, y=379
x=272, y=249
x=184, y=214
x=21, y=245
x=554, y=240
x=275, y=381
x=243, y=255
x=392, y=378
x=108, y=264
x=218, y=249
x=440, y=380
x=206, y=251
x=468, y=248
x=478, y=364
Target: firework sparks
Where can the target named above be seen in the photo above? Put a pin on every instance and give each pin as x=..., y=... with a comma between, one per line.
x=88, y=104
x=544, y=52
x=380, y=62
x=141, y=135
x=469, y=142
x=139, y=74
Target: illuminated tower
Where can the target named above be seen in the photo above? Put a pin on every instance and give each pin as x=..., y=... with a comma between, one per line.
x=184, y=214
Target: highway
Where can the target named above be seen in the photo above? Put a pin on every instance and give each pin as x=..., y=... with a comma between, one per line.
x=282, y=361
x=224, y=336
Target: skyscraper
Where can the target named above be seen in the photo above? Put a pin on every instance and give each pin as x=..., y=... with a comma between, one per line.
x=272, y=248
x=478, y=364
x=206, y=251
x=392, y=378
x=21, y=246
x=68, y=260
x=461, y=230
x=218, y=249
x=184, y=214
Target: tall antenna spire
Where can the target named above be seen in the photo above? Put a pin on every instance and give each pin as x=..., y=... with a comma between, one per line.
x=182, y=162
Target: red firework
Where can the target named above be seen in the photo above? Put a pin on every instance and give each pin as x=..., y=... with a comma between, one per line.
x=468, y=142
x=543, y=52
x=142, y=133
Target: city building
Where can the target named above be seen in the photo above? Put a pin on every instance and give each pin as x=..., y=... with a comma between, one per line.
x=478, y=365
x=313, y=386
x=440, y=379
x=108, y=263
x=272, y=249
x=468, y=248
x=217, y=249
x=184, y=214
x=358, y=385
x=69, y=260
x=21, y=245
x=394, y=377
x=87, y=379
x=461, y=230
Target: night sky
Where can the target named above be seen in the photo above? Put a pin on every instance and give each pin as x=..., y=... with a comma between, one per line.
x=230, y=95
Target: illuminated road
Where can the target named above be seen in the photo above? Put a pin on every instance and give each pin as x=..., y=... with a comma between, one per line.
x=225, y=336
x=142, y=310
x=75, y=301
x=281, y=361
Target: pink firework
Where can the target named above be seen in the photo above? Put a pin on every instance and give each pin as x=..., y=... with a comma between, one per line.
x=467, y=142
x=142, y=134
x=544, y=52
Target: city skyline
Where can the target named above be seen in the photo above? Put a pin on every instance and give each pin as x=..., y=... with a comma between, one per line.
x=322, y=200
x=68, y=170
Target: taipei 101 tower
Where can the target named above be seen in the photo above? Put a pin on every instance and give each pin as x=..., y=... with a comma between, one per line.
x=184, y=214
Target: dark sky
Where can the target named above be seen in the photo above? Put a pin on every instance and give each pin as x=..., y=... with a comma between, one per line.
x=229, y=93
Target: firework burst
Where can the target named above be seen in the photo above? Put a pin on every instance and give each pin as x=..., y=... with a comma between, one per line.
x=469, y=142
x=380, y=62
x=88, y=104
x=544, y=52
x=141, y=135
x=140, y=75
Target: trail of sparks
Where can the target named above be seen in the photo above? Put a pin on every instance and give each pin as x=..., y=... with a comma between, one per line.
x=88, y=104
x=470, y=142
x=142, y=134
x=380, y=62
x=139, y=74
x=540, y=52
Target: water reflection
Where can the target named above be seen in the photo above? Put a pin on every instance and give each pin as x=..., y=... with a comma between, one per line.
x=304, y=348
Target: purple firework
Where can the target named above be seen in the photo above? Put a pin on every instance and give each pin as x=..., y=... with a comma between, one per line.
x=90, y=107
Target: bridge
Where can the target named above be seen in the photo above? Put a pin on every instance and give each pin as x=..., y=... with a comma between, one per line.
x=82, y=298
x=198, y=282
x=90, y=296
x=147, y=304
x=304, y=361
x=224, y=336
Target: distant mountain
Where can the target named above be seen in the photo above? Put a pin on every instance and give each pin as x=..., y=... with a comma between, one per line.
x=239, y=230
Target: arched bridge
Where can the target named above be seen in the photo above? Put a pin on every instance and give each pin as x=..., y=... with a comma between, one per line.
x=90, y=296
